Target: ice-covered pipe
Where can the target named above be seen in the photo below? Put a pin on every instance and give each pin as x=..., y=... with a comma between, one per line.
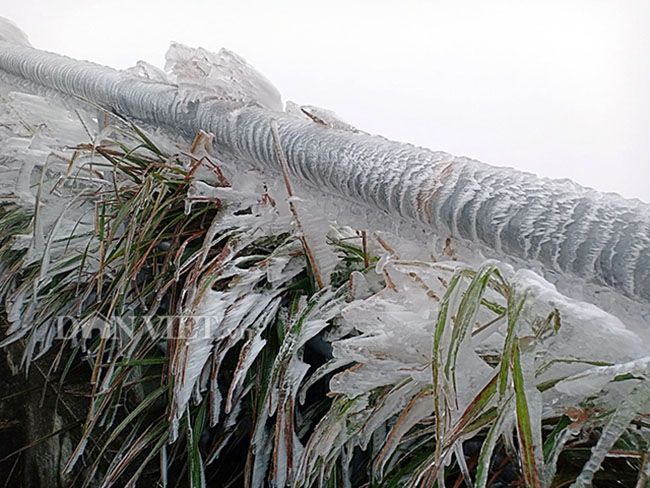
x=601, y=238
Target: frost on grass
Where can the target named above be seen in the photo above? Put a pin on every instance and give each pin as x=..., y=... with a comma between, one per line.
x=275, y=294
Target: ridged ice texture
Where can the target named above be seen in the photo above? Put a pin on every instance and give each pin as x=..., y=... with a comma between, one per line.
x=601, y=238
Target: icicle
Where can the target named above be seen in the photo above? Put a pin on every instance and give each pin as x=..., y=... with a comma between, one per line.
x=197, y=346
x=632, y=404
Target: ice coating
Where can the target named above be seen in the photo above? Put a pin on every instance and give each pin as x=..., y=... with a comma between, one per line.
x=393, y=324
x=11, y=33
x=600, y=238
x=611, y=432
x=226, y=75
x=395, y=329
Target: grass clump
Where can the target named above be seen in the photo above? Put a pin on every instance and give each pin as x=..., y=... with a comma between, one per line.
x=216, y=353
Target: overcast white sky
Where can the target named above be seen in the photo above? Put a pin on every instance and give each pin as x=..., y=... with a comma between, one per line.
x=559, y=88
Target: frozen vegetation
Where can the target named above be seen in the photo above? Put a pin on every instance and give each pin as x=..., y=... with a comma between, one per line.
x=349, y=309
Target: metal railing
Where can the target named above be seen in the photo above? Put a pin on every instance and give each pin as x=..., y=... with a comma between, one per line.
x=600, y=238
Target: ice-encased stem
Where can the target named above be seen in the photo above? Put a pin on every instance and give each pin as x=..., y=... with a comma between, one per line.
x=601, y=238
x=633, y=404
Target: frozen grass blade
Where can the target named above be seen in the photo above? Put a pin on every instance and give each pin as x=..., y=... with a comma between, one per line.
x=524, y=428
x=638, y=399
